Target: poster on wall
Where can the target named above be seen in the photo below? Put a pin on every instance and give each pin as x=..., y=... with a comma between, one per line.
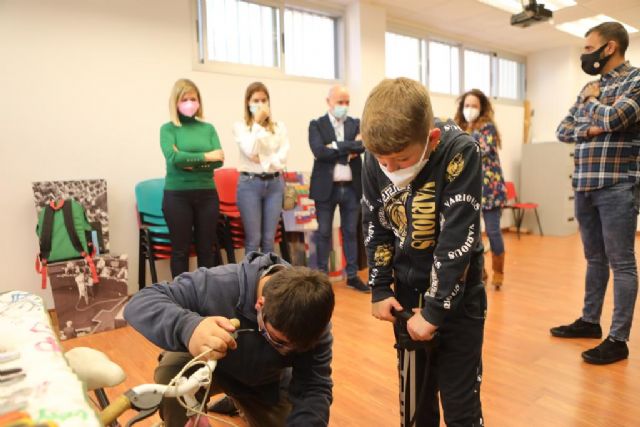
x=84, y=307
x=91, y=193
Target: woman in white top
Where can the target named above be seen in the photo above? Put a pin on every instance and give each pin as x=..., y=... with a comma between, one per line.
x=264, y=145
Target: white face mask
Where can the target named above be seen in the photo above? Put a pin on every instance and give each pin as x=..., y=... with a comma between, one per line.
x=470, y=114
x=403, y=177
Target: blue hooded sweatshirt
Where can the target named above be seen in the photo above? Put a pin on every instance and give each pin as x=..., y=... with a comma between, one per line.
x=168, y=313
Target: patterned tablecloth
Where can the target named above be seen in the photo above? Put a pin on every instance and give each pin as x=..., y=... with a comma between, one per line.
x=49, y=391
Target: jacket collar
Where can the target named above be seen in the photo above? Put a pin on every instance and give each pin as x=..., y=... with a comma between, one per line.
x=249, y=273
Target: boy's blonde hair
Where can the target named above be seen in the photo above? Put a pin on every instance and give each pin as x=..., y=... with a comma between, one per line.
x=397, y=114
x=181, y=87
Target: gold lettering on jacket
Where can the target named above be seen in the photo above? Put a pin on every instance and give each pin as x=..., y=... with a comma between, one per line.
x=423, y=217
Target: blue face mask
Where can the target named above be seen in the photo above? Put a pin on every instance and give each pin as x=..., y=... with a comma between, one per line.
x=340, y=111
x=254, y=108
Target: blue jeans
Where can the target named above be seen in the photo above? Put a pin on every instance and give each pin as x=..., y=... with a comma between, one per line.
x=260, y=206
x=607, y=219
x=492, y=227
x=345, y=197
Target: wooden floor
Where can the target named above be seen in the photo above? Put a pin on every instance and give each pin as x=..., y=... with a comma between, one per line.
x=530, y=378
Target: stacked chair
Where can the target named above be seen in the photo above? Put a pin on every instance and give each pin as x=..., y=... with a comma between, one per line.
x=154, y=242
x=231, y=231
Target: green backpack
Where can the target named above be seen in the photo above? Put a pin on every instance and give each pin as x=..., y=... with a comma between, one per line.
x=65, y=234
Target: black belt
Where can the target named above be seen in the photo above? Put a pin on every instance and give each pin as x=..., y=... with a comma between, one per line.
x=341, y=183
x=263, y=175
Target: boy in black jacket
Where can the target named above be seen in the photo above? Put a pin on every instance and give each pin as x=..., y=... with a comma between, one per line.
x=421, y=218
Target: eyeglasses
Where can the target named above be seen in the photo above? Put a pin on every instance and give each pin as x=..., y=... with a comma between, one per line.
x=281, y=347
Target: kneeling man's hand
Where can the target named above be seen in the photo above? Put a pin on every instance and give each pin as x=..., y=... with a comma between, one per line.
x=213, y=333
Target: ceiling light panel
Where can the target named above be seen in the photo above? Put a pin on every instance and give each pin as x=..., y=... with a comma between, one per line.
x=581, y=26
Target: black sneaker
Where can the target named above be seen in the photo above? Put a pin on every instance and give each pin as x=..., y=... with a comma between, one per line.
x=608, y=351
x=356, y=283
x=224, y=406
x=578, y=329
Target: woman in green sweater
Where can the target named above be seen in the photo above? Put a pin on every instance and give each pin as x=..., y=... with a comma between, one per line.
x=192, y=151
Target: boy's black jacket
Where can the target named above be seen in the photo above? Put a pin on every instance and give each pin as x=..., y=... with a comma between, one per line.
x=427, y=236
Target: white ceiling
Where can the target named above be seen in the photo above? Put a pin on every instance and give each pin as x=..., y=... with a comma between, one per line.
x=487, y=26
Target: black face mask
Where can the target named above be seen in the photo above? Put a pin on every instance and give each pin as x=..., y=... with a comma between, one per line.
x=592, y=64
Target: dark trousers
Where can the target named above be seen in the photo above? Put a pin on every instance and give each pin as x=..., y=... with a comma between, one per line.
x=191, y=215
x=452, y=366
x=343, y=196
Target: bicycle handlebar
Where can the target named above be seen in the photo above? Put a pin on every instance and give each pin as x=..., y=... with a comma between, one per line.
x=190, y=385
x=114, y=410
x=403, y=315
x=147, y=397
x=404, y=340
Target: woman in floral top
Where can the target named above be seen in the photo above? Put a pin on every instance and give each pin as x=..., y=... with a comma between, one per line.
x=475, y=115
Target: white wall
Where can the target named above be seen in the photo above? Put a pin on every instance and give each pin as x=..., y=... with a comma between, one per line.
x=554, y=79
x=85, y=88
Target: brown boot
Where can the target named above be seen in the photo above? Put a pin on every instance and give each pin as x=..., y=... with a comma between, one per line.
x=497, y=264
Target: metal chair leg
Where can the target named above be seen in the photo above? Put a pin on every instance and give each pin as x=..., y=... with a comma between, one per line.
x=142, y=268
x=538, y=219
x=519, y=218
x=284, y=244
x=152, y=259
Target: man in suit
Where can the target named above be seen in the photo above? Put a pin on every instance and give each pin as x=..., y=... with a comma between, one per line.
x=335, y=180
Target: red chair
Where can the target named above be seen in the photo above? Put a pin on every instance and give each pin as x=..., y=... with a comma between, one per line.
x=227, y=184
x=518, y=208
x=230, y=228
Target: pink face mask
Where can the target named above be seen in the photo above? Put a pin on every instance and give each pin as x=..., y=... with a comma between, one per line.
x=188, y=108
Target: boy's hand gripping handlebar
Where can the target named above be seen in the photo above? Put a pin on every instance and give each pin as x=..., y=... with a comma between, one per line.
x=404, y=341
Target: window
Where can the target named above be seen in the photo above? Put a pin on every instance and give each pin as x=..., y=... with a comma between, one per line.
x=310, y=42
x=510, y=79
x=403, y=56
x=477, y=71
x=444, y=68
x=249, y=33
x=242, y=32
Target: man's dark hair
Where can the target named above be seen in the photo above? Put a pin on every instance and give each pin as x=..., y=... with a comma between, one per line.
x=299, y=303
x=612, y=31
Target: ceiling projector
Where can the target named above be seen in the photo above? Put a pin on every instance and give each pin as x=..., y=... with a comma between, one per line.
x=532, y=14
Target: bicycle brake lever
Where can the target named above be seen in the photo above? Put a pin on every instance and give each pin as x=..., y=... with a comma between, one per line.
x=145, y=403
x=141, y=416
